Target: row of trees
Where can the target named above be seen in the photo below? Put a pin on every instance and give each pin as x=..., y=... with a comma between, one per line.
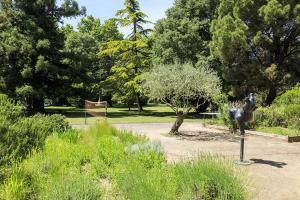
x=252, y=45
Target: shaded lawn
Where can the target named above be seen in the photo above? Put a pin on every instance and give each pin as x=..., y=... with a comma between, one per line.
x=121, y=114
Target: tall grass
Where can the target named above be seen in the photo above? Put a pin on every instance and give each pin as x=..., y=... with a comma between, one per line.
x=74, y=165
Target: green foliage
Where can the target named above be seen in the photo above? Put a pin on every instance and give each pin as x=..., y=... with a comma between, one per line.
x=131, y=55
x=101, y=32
x=184, y=34
x=106, y=163
x=20, y=135
x=132, y=16
x=178, y=84
x=30, y=50
x=284, y=112
x=279, y=131
x=9, y=109
x=258, y=45
x=225, y=119
x=125, y=75
x=80, y=49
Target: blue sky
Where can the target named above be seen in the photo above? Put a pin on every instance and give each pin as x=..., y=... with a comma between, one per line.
x=105, y=9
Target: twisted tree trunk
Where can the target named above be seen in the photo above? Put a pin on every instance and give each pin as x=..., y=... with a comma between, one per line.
x=177, y=124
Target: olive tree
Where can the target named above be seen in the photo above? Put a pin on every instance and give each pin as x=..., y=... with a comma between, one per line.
x=177, y=85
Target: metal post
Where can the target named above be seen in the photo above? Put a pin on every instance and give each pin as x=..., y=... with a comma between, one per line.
x=242, y=146
x=242, y=132
x=85, y=117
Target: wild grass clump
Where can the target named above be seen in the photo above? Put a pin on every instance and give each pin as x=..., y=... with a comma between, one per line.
x=75, y=164
x=207, y=177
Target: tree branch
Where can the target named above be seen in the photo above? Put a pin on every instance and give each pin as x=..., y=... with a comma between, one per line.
x=170, y=105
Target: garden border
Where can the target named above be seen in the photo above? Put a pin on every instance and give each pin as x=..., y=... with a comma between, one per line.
x=293, y=139
x=289, y=139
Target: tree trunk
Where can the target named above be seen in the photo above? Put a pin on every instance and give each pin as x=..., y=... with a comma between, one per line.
x=109, y=100
x=139, y=103
x=38, y=105
x=271, y=96
x=129, y=106
x=177, y=124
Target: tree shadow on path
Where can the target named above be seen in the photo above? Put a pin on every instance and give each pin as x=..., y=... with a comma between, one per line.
x=207, y=136
x=268, y=162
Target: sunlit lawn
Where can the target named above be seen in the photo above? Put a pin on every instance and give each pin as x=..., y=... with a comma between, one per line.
x=151, y=114
x=121, y=114
x=279, y=131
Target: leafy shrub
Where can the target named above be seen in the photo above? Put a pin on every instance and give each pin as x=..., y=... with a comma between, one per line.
x=20, y=134
x=18, y=139
x=50, y=123
x=9, y=109
x=224, y=117
x=284, y=112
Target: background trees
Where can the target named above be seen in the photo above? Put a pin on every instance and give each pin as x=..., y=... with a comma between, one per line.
x=258, y=44
x=178, y=85
x=81, y=49
x=30, y=49
x=254, y=46
x=184, y=34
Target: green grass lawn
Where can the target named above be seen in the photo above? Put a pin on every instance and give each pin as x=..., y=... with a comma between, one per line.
x=121, y=114
x=279, y=131
x=151, y=114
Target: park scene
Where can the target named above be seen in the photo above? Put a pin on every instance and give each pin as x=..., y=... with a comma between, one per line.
x=150, y=100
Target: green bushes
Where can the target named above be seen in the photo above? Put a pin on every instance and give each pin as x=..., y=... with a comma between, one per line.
x=19, y=135
x=9, y=109
x=284, y=112
x=282, y=116
x=105, y=163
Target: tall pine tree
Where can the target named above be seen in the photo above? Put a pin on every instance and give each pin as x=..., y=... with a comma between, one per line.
x=132, y=54
x=31, y=64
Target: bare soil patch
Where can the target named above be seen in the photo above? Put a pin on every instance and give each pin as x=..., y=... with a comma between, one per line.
x=208, y=136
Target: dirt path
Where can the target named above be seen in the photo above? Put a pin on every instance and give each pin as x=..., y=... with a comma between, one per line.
x=275, y=173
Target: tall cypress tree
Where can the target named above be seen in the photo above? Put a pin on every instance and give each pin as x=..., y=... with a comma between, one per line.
x=30, y=49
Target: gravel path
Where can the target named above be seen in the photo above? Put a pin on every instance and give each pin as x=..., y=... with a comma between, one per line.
x=275, y=174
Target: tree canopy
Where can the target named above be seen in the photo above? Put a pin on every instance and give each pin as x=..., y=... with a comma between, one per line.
x=258, y=43
x=253, y=46
x=81, y=49
x=183, y=35
x=177, y=85
x=30, y=49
